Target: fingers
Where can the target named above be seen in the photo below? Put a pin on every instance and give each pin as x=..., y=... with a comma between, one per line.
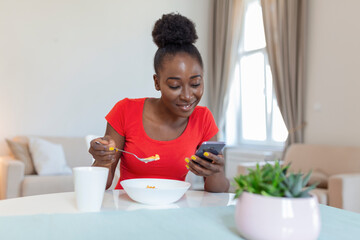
x=99, y=149
x=211, y=160
x=107, y=159
x=102, y=143
x=215, y=159
x=191, y=167
x=205, y=168
x=99, y=145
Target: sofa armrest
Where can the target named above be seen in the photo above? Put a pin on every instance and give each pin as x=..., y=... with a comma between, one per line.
x=11, y=176
x=344, y=191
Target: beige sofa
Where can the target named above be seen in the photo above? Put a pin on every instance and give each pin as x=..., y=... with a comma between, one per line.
x=336, y=168
x=14, y=183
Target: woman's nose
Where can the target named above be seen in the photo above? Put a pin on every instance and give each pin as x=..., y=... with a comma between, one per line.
x=185, y=94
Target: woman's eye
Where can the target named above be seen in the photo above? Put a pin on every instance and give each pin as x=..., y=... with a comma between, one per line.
x=174, y=87
x=195, y=85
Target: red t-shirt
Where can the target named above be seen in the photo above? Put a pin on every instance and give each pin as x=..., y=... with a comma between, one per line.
x=126, y=118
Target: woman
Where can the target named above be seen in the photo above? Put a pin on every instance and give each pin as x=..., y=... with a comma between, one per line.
x=172, y=126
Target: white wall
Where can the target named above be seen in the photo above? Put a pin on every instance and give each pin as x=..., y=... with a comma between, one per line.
x=64, y=64
x=332, y=104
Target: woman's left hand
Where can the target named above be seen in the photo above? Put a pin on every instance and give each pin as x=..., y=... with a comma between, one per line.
x=205, y=168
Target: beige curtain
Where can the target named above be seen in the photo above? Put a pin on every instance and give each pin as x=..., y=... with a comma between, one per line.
x=228, y=15
x=284, y=23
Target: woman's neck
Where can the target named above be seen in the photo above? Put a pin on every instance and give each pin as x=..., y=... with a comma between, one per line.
x=159, y=123
x=163, y=115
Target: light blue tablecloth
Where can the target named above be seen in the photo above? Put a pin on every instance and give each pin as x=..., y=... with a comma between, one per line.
x=185, y=223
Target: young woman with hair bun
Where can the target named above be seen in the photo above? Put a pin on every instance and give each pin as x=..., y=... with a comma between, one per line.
x=172, y=126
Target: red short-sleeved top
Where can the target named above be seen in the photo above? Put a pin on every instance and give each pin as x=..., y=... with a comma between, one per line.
x=126, y=118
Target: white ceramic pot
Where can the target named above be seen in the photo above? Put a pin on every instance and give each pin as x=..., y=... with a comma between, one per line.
x=275, y=218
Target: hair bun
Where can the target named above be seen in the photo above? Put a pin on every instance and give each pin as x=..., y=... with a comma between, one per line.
x=174, y=29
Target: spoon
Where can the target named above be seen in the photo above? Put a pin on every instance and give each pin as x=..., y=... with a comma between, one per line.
x=145, y=160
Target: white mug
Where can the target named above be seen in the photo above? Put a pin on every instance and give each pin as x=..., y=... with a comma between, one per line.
x=90, y=184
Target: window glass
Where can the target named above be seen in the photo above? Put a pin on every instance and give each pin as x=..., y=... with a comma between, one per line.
x=254, y=36
x=232, y=120
x=252, y=97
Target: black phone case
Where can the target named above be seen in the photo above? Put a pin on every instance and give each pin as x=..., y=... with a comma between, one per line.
x=211, y=149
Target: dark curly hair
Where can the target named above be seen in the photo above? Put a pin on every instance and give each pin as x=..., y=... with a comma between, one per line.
x=174, y=33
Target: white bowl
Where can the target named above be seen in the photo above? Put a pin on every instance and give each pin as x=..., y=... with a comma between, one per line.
x=165, y=192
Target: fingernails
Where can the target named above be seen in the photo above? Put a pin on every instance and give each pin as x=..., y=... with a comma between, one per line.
x=187, y=166
x=111, y=148
x=206, y=154
x=193, y=157
x=187, y=160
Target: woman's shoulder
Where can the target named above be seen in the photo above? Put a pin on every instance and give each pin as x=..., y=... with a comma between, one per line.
x=201, y=113
x=131, y=101
x=199, y=110
x=128, y=104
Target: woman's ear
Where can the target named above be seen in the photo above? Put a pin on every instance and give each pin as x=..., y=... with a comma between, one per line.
x=156, y=82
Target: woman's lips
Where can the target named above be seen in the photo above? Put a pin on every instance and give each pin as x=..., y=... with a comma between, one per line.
x=186, y=107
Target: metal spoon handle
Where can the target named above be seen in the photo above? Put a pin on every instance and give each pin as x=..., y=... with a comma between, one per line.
x=120, y=150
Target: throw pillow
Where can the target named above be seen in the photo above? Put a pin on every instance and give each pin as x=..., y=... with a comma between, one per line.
x=48, y=158
x=21, y=152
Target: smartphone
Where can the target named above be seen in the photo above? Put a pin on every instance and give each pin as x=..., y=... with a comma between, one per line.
x=210, y=146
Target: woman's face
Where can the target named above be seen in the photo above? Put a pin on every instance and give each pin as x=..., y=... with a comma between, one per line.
x=180, y=81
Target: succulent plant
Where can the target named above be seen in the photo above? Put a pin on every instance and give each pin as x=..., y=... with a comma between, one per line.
x=274, y=180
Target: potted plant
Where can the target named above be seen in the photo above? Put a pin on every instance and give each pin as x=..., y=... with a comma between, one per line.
x=275, y=204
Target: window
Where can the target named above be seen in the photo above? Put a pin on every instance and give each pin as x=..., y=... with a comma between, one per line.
x=253, y=116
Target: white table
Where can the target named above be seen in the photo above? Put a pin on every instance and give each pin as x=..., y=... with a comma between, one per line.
x=198, y=215
x=113, y=200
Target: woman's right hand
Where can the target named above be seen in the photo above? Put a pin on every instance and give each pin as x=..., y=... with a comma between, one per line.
x=99, y=149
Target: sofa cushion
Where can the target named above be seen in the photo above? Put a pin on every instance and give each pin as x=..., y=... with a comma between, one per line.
x=48, y=158
x=34, y=185
x=21, y=152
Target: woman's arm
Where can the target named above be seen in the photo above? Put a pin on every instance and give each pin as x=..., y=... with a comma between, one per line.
x=101, y=153
x=213, y=172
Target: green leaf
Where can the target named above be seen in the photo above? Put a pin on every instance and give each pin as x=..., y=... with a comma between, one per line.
x=297, y=185
x=288, y=194
x=305, y=193
x=238, y=192
x=265, y=194
x=306, y=179
x=291, y=180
